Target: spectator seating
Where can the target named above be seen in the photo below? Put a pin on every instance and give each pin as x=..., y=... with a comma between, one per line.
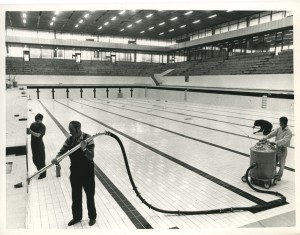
x=257, y=63
x=282, y=63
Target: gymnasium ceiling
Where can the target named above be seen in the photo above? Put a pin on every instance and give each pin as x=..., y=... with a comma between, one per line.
x=89, y=22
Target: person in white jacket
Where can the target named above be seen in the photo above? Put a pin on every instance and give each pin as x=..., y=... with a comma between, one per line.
x=283, y=136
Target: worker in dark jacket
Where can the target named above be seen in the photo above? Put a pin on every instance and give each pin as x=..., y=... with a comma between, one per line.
x=37, y=130
x=265, y=126
x=82, y=172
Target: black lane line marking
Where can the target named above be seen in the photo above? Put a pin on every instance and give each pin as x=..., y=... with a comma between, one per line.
x=286, y=167
x=170, y=105
x=205, y=107
x=136, y=218
x=183, y=164
x=176, y=133
x=192, y=124
x=190, y=115
x=292, y=147
x=173, y=132
x=216, y=109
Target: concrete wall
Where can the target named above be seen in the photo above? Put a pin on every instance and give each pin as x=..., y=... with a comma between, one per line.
x=253, y=81
x=281, y=105
x=65, y=79
x=74, y=93
x=271, y=82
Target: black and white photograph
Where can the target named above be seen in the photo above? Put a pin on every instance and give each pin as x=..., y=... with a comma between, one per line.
x=155, y=117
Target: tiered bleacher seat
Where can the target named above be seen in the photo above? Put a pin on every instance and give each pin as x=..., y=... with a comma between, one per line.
x=239, y=64
x=280, y=64
x=37, y=66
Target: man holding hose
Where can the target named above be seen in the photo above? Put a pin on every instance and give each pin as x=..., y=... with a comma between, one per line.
x=82, y=172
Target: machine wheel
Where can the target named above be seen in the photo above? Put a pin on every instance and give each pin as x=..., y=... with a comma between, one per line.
x=275, y=181
x=244, y=178
x=267, y=185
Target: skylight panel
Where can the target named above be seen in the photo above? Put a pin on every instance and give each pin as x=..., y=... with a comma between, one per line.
x=142, y=31
x=174, y=18
x=114, y=18
x=138, y=21
x=182, y=26
x=162, y=23
x=171, y=30
x=151, y=28
x=197, y=21
x=212, y=16
x=149, y=15
x=189, y=12
x=121, y=12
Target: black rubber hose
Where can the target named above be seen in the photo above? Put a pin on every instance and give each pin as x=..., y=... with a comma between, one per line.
x=215, y=211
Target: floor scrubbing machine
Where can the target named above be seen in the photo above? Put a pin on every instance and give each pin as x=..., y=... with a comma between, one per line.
x=263, y=154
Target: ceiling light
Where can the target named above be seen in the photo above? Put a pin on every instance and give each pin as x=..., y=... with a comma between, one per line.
x=51, y=23
x=121, y=30
x=86, y=15
x=162, y=23
x=142, y=32
x=138, y=21
x=129, y=26
x=53, y=18
x=76, y=26
x=182, y=26
x=151, y=28
x=80, y=21
x=195, y=22
x=24, y=15
x=56, y=13
x=161, y=34
x=171, y=30
x=24, y=21
x=149, y=15
x=114, y=18
x=212, y=16
x=100, y=27
x=187, y=13
x=229, y=11
x=174, y=18
x=122, y=12
x=106, y=23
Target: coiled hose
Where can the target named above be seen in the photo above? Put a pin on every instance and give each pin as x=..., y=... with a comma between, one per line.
x=267, y=205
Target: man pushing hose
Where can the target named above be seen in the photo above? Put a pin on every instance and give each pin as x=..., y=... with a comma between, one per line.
x=82, y=172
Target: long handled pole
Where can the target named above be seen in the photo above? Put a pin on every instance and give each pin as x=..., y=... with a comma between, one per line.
x=59, y=159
